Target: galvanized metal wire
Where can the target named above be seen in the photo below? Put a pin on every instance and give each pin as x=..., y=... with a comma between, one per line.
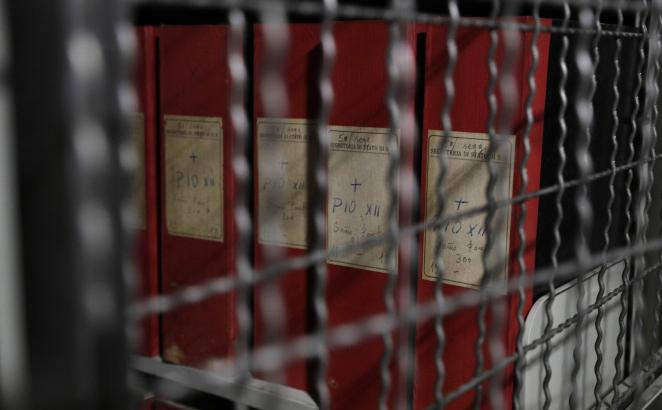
x=318, y=206
x=447, y=124
x=633, y=153
x=242, y=175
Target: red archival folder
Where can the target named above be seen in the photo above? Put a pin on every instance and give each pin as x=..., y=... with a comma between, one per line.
x=143, y=133
x=469, y=120
x=300, y=77
x=360, y=82
x=197, y=189
x=357, y=202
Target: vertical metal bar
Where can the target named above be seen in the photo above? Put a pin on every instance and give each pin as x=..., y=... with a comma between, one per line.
x=400, y=76
x=408, y=205
x=35, y=260
x=658, y=295
x=549, y=318
x=652, y=92
x=69, y=159
x=601, y=274
x=621, y=360
x=449, y=89
x=275, y=100
x=395, y=77
x=509, y=90
x=489, y=195
x=535, y=57
x=13, y=371
x=242, y=176
x=597, y=391
x=99, y=65
x=317, y=204
x=122, y=38
x=584, y=114
x=640, y=204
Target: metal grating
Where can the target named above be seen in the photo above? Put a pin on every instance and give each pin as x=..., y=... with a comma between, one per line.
x=629, y=170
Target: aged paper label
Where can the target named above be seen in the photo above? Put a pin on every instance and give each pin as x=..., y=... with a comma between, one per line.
x=358, y=197
x=463, y=239
x=138, y=193
x=194, y=182
x=282, y=149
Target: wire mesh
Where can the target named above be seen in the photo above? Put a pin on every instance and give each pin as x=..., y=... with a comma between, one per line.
x=594, y=208
x=584, y=22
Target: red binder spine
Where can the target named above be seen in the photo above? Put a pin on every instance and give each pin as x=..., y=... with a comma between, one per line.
x=357, y=202
x=280, y=188
x=143, y=134
x=462, y=246
x=197, y=190
x=358, y=169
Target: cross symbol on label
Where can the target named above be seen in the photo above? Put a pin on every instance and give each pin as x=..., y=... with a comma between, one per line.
x=460, y=202
x=355, y=184
x=193, y=157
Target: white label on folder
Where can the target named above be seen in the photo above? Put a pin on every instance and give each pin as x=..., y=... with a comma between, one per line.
x=137, y=140
x=194, y=181
x=282, y=150
x=463, y=239
x=358, y=199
